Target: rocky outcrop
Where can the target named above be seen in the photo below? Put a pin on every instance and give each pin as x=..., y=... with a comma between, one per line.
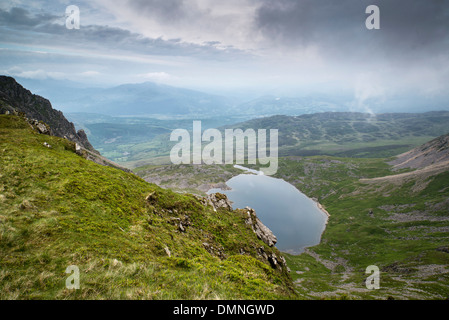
x=215, y=250
x=261, y=230
x=39, y=126
x=270, y=255
x=38, y=112
x=219, y=200
x=15, y=99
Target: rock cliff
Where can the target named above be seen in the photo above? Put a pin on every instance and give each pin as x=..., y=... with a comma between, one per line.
x=16, y=99
x=39, y=113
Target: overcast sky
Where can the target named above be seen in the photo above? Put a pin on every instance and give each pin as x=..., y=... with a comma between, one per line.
x=304, y=46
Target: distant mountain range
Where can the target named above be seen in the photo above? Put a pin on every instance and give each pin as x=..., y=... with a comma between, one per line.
x=143, y=99
x=135, y=143
x=14, y=99
x=167, y=102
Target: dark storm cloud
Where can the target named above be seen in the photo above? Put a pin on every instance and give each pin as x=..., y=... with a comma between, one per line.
x=407, y=27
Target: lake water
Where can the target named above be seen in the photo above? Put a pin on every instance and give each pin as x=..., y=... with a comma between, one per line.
x=295, y=219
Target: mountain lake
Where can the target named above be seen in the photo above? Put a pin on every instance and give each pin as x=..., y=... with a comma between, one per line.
x=295, y=219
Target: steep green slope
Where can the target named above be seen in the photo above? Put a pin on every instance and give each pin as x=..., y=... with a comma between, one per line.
x=58, y=209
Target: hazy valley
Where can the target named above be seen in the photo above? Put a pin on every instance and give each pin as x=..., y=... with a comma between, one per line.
x=153, y=239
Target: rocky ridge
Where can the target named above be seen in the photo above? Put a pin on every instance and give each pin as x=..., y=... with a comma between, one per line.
x=39, y=113
x=431, y=153
x=425, y=161
x=15, y=99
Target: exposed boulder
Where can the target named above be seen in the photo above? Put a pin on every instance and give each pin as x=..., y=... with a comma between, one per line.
x=78, y=149
x=274, y=260
x=216, y=250
x=41, y=127
x=219, y=200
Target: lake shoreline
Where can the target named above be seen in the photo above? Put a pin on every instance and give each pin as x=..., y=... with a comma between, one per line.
x=292, y=221
x=321, y=207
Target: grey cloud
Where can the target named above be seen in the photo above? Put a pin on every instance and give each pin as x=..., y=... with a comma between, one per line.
x=167, y=11
x=42, y=29
x=415, y=27
x=302, y=22
x=416, y=24
x=19, y=17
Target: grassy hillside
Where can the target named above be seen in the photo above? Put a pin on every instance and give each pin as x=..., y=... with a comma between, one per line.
x=58, y=209
x=397, y=220
x=350, y=134
x=138, y=141
x=401, y=226
x=341, y=134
